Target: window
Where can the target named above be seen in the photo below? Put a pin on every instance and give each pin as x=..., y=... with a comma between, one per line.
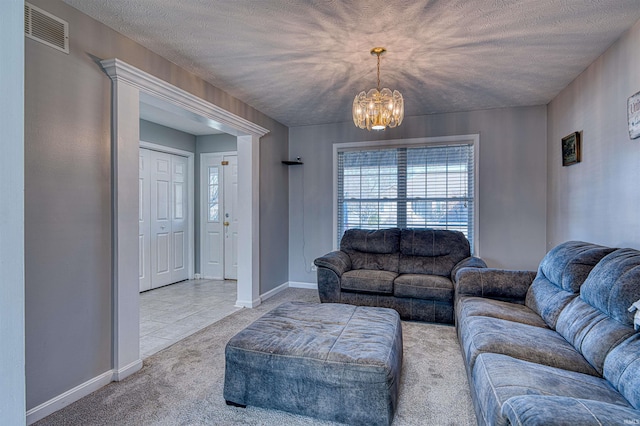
x=214, y=186
x=406, y=186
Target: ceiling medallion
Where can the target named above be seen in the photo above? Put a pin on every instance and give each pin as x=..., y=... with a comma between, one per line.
x=378, y=109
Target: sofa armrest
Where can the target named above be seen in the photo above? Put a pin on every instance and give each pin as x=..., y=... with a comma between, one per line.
x=560, y=410
x=501, y=284
x=331, y=266
x=338, y=261
x=469, y=262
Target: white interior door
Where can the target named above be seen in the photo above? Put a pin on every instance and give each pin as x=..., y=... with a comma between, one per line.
x=161, y=203
x=144, y=244
x=230, y=217
x=179, y=218
x=163, y=219
x=218, y=218
x=211, y=228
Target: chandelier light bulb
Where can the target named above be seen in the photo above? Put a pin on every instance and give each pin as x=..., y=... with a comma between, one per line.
x=378, y=109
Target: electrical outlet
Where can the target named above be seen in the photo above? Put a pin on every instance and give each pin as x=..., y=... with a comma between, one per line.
x=313, y=267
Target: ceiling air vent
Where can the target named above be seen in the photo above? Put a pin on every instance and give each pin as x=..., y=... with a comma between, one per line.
x=42, y=26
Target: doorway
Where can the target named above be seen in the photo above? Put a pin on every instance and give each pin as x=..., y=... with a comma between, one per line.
x=130, y=86
x=219, y=216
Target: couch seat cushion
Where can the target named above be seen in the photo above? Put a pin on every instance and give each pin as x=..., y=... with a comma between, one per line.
x=535, y=344
x=423, y=286
x=554, y=410
x=498, y=377
x=368, y=281
x=480, y=306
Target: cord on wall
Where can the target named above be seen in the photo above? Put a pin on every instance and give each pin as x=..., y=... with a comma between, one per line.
x=307, y=267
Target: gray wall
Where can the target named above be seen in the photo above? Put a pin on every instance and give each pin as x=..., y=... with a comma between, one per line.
x=511, y=183
x=68, y=198
x=216, y=143
x=598, y=199
x=12, y=356
x=205, y=144
x=166, y=136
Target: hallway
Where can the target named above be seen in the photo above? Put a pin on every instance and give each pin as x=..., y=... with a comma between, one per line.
x=169, y=314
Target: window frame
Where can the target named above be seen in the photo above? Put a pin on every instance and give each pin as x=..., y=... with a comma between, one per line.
x=472, y=139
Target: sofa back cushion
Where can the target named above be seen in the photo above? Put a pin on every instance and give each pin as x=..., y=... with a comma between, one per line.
x=622, y=369
x=599, y=319
x=372, y=249
x=614, y=285
x=560, y=275
x=431, y=251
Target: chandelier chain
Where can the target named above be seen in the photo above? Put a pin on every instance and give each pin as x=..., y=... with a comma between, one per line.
x=378, y=72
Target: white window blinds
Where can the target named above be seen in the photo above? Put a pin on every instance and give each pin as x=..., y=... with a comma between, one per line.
x=407, y=187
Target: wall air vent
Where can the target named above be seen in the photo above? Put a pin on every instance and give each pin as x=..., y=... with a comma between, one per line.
x=42, y=26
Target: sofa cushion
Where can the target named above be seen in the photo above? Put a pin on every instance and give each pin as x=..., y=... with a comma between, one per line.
x=368, y=281
x=498, y=377
x=422, y=286
x=431, y=251
x=537, y=410
x=560, y=275
x=614, y=285
x=591, y=331
x=480, y=306
x=599, y=320
x=622, y=369
x=372, y=249
x=529, y=343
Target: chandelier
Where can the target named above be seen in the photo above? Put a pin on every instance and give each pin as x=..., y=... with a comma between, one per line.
x=377, y=109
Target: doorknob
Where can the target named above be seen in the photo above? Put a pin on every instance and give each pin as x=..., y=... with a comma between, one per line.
x=226, y=224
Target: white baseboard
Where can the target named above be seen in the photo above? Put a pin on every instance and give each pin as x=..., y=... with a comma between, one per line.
x=248, y=303
x=127, y=370
x=69, y=397
x=297, y=284
x=288, y=284
x=274, y=291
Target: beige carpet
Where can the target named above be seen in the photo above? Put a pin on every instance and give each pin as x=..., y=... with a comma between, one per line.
x=182, y=385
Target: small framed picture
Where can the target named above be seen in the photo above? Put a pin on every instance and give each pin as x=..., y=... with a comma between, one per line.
x=571, y=149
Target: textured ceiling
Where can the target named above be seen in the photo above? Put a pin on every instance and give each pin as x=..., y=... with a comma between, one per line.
x=302, y=62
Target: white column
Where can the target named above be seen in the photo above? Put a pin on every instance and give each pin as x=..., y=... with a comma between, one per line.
x=249, y=219
x=12, y=352
x=125, y=130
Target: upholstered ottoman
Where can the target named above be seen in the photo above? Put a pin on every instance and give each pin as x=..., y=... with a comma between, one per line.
x=331, y=361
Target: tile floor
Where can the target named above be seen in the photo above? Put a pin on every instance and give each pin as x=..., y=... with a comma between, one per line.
x=169, y=314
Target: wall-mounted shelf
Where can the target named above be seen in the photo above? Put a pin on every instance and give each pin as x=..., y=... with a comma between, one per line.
x=295, y=162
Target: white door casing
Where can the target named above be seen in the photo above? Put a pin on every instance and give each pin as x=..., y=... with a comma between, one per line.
x=230, y=207
x=129, y=86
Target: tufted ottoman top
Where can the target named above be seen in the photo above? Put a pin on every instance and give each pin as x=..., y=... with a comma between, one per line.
x=333, y=361
x=328, y=331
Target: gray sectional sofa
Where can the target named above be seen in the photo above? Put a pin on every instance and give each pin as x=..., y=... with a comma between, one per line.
x=557, y=347
x=409, y=270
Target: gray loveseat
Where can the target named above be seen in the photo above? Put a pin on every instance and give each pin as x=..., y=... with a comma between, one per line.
x=556, y=347
x=409, y=270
